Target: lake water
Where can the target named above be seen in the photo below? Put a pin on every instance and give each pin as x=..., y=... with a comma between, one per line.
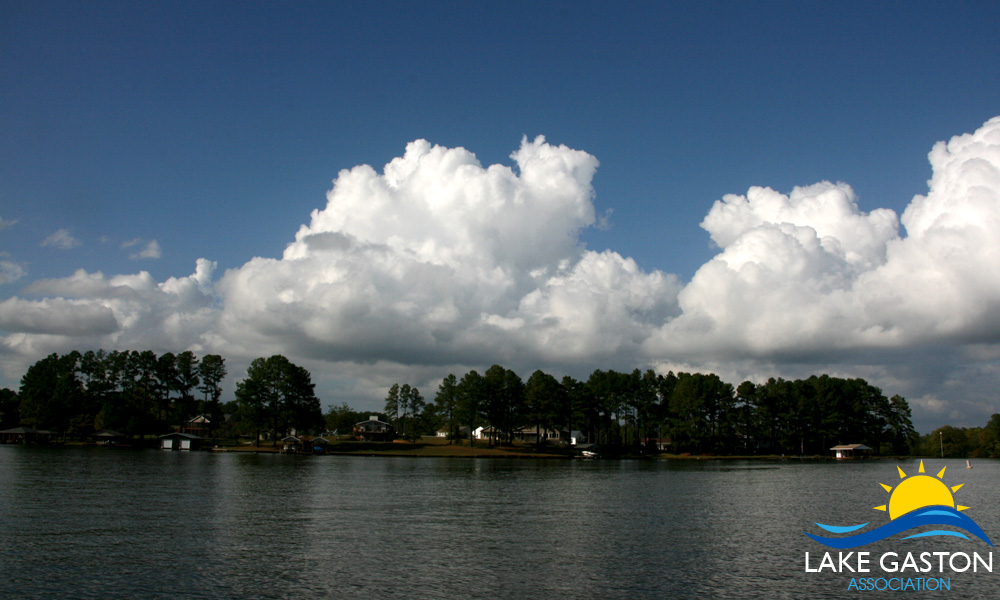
x=102, y=522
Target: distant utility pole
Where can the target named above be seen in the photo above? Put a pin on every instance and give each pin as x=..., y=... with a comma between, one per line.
x=941, y=433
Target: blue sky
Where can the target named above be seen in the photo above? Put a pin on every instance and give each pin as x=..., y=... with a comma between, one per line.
x=146, y=136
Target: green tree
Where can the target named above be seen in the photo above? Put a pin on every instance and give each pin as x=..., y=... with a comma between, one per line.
x=113, y=413
x=446, y=405
x=665, y=386
x=493, y=407
x=689, y=429
x=544, y=397
x=405, y=395
x=167, y=382
x=746, y=405
x=50, y=391
x=393, y=405
x=342, y=419
x=278, y=393
x=899, y=426
x=645, y=403
x=211, y=372
x=302, y=409
x=415, y=405
x=703, y=409
x=601, y=405
x=469, y=407
x=402, y=402
x=187, y=381
x=775, y=414
x=514, y=403
x=571, y=410
x=504, y=402
x=132, y=404
x=951, y=441
x=602, y=402
x=990, y=438
x=10, y=414
x=97, y=382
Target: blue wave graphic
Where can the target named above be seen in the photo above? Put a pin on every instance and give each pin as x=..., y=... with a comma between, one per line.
x=841, y=528
x=937, y=532
x=929, y=515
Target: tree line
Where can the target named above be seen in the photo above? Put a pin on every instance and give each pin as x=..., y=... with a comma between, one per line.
x=697, y=412
x=133, y=392
x=138, y=393
x=962, y=442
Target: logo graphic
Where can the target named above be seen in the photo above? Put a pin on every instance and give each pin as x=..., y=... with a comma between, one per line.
x=917, y=501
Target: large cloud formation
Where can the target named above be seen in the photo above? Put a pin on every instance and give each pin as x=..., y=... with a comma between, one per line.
x=809, y=271
x=440, y=262
x=91, y=310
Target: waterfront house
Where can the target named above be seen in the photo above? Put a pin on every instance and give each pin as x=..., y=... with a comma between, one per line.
x=109, y=437
x=532, y=435
x=180, y=441
x=462, y=432
x=200, y=425
x=844, y=451
x=493, y=434
x=24, y=435
x=374, y=430
x=662, y=444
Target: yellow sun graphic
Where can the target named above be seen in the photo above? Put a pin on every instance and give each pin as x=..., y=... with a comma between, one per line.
x=918, y=491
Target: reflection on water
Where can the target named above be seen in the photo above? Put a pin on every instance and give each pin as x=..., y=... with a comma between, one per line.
x=98, y=522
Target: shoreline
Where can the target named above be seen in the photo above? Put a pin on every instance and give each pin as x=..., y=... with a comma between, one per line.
x=435, y=448
x=444, y=450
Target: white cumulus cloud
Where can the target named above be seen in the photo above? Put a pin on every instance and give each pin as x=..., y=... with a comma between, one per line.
x=439, y=259
x=56, y=316
x=61, y=239
x=810, y=278
x=10, y=271
x=92, y=310
x=150, y=249
x=810, y=271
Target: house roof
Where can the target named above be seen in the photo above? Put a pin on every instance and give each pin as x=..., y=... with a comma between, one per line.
x=108, y=433
x=189, y=436
x=20, y=430
x=534, y=430
x=851, y=447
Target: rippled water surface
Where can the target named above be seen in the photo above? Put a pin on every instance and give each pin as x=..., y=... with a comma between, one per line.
x=100, y=522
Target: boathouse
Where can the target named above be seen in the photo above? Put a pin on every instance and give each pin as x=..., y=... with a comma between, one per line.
x=291, y=444
x=24, y=435
x=844, y=451
x=180, y=441
x=320, y=445
x=109, y=437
